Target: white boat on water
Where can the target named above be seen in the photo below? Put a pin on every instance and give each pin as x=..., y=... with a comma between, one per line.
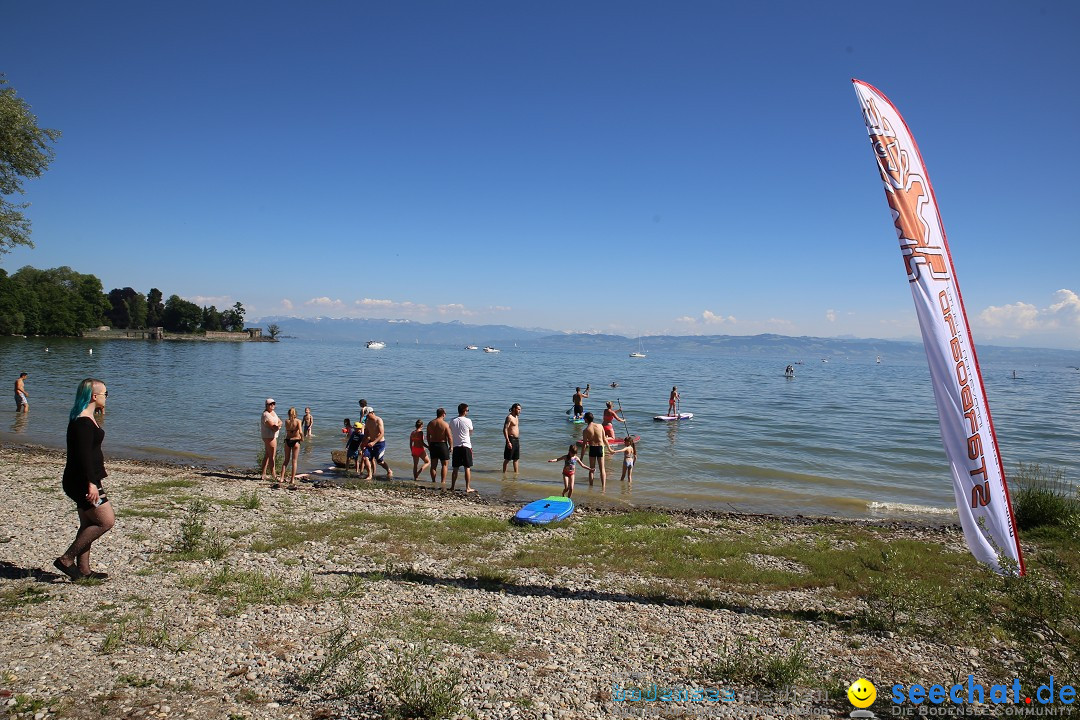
x=488, y=348
x=374, y=345
x=471, y=347
x=640, y=351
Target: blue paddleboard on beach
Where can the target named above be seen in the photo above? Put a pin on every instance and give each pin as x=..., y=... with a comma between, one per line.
x=542, y=512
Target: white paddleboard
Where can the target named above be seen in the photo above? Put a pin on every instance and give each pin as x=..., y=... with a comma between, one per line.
x=668, y=418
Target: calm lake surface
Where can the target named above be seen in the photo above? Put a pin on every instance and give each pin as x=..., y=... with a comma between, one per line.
x=842, y=438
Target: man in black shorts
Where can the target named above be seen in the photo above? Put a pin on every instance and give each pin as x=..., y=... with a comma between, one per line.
x=461, y=429
x=512, y=448
x=439, y=442
x=595, y=439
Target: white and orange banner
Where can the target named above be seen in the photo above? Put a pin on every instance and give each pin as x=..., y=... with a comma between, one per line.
x=982, y=497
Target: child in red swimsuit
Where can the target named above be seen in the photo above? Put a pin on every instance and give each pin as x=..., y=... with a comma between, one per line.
x=418, y=449
x=569, y=460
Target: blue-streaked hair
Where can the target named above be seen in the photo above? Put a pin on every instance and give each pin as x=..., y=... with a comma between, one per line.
x=82, y=397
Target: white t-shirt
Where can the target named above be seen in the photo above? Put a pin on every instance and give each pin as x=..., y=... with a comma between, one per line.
x=461, y=427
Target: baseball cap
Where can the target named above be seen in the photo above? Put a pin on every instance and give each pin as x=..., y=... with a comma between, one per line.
x=271, y=401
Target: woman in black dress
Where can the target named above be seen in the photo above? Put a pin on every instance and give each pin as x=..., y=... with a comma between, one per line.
x=82, y=479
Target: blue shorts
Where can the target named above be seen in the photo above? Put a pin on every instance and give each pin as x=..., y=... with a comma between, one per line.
x=376, y=451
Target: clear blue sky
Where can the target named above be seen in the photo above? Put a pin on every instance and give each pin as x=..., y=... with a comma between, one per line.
x=628, y=167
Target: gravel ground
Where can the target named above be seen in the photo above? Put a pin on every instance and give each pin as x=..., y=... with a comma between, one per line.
x=342, y=624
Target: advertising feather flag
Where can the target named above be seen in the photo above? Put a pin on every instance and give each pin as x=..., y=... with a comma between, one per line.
x=967, y=431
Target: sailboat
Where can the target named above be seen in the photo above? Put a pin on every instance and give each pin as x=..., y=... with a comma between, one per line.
x=640, y=351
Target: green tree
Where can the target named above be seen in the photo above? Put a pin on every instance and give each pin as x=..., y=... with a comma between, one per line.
x=234, y=318
x=25, y=152
x=59, y=301
x=137, y=307
x=274, y=330
x=211, y=319
x=181, y=315
x=127, y=308
x=154, y=308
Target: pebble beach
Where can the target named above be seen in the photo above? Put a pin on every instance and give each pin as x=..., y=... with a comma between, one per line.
x=266, y=625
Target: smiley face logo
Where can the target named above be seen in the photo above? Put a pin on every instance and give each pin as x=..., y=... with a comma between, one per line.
x=862, y=693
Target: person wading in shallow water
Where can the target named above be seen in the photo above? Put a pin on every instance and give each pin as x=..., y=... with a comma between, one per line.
x=512, y=435
x=83, y=474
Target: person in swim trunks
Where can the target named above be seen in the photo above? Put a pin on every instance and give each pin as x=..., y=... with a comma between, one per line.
x=418, y=450
x=673, y=401
x=353, y=442
x=579, y=398
x=461, y=429
x=375, y=444
x=569, y=460
x=21, y=403
x=594, y=437
x=439, y=441
x=511, y=433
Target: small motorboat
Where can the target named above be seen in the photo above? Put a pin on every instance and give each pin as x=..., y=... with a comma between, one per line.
x=488, y=348
x=471, y=347
x=374, y=345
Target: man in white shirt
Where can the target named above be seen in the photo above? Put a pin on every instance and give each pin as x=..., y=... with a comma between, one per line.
x=462, y=428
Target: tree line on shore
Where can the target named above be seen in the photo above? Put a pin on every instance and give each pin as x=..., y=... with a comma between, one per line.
x=61, y=301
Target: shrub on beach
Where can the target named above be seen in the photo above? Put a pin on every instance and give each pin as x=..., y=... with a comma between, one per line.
x=1042, y=498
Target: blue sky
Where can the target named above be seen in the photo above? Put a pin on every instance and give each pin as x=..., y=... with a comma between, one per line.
x=627, y=167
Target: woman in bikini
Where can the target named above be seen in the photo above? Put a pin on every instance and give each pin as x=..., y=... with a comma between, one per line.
x=294, y=435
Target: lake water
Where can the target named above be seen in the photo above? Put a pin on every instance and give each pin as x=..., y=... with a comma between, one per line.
x=842, y=438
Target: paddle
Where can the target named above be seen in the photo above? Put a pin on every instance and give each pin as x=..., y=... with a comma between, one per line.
x=623, y=413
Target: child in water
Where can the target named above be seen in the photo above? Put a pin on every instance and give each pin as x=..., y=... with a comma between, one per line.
x=628, y=459
x=569, y=460
x=418, y=449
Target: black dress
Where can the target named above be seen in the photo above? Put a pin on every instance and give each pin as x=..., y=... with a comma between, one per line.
x=85, y=461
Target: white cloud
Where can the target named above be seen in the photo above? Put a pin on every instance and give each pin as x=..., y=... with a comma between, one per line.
x=710, y=318
x=218, y=301
x=456, y=309
x=324, y=302
x=286, y=304
x=830, y=315
x=1021, y=318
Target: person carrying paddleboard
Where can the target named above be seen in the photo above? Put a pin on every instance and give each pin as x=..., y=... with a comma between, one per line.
x=673, y=402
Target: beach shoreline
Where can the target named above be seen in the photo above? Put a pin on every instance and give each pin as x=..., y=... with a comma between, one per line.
x=403, y=570
x=424, y=489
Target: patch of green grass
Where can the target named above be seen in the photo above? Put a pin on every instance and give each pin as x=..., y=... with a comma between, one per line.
x=160, y=488
x=197, y=541
x=144, y=512
x=135, y=681
x=441, y=536
x=242, y=588
x=1042, y=499
x=23, y=595
x=421, y=691
x=249, y=501
x=749, y=664
x=472, y=630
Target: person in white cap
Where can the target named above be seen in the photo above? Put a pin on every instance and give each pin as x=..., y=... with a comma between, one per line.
x=268, y=428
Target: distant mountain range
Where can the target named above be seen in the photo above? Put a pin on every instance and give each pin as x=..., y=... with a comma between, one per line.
x=457, y=333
